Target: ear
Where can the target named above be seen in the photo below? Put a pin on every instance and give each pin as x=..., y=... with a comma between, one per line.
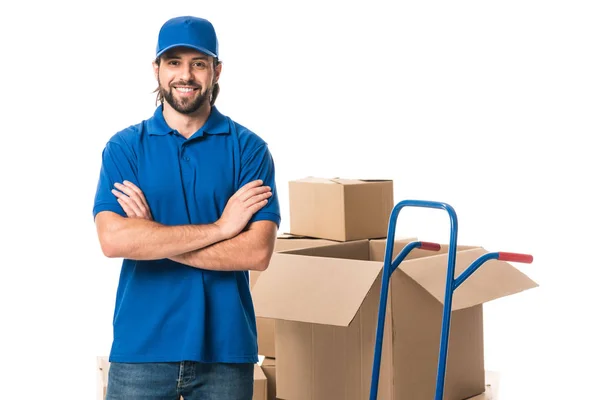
x=155, y=68
x=218, y=72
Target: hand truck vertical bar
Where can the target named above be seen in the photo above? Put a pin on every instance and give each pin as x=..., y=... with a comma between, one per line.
x=389, y=266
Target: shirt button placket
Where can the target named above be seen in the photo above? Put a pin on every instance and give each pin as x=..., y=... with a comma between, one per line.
x=184, y=157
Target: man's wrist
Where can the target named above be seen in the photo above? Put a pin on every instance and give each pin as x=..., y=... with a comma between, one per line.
x=220, y=232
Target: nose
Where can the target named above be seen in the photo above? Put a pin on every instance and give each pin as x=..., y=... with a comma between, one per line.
x=186, y=72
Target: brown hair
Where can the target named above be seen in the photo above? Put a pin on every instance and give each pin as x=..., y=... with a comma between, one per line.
x=215, y=91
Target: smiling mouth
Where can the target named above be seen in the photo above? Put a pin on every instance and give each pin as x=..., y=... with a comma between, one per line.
x=185, y=89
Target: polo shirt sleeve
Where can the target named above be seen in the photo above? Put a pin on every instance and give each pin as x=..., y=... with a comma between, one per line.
x=260, y=165
x=117, y=166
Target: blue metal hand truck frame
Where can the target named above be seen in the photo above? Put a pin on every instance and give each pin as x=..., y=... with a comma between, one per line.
x=389, y=266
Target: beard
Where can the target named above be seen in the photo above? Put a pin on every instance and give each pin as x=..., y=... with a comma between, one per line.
x=185, y=105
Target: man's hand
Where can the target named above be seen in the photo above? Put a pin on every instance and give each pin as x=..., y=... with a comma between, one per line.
x=242, y=206
x=132, y=200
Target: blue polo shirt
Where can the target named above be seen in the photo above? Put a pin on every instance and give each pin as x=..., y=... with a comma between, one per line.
x=166, y=311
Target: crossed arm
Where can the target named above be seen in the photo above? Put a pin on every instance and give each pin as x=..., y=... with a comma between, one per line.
x=251, y=249
x=223, y=245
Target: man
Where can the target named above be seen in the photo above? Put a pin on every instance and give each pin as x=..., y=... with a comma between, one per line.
x=187, y=198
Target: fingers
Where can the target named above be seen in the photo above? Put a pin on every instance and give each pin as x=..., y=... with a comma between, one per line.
x=256, y=207
x=258, y=198
x=250, y=193
x=132, y=206
x=132, y=193
x=247, y=186
x=138, y=191
x=128, y=210
x=133, y=198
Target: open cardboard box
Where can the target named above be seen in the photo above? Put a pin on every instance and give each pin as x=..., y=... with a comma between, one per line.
x=288, y=241
x=265, y=328
x=325, y=303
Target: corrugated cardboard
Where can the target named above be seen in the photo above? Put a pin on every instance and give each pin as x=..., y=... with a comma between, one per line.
x=340, y=209
x=268, y=367
x=266, y=327
x=287, y=241
x=102, y=367
x=290, y=242
x=265, y=330
x=260, y=384
x=326, y=299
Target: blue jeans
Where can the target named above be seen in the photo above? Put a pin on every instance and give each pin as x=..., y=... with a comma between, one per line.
x=169, y=381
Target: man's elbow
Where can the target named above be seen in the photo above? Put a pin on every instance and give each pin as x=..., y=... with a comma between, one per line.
x=107, y=226
x=263, y=260
x=263, y=238
x=109, y=246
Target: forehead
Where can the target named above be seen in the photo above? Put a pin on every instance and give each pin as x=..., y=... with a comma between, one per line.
x=185, y=53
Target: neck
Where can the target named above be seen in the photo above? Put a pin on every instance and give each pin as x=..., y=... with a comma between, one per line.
x=186, y=124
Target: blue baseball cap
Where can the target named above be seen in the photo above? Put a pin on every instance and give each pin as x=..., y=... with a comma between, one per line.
x=193, y=32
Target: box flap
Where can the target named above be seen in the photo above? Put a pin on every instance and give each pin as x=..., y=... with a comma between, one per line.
x=268, y=362
x=340, y=181
x=348, y=181
x=313, y=289
x=493, y=280
x=259, y=374
x=291, y=236
x=355, y=250
x=313, y=179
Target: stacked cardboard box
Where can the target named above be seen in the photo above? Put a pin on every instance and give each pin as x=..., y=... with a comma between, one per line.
x=325, y=212
x=324, y=299
x=340, y=209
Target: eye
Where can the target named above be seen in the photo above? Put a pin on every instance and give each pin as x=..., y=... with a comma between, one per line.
x=173, y=62
x=200, y=65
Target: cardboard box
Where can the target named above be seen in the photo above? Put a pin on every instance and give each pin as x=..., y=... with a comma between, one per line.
x=268, y=367
x=102, y=367
x=288, y=241
x=340, y=209
x=265, y=328
x=260, y=384
x=325, y=301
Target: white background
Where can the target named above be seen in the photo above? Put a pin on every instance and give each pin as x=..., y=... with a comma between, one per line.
x=491, y=107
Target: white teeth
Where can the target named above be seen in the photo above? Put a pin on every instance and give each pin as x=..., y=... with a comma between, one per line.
x=185, y=90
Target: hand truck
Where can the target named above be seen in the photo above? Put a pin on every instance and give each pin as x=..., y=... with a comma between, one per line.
x=452, y=284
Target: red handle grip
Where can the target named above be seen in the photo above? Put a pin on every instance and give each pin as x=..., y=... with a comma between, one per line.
x=430, y=246
x=515, y=257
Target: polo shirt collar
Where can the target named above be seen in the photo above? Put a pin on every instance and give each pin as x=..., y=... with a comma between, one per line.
x=157, y=124
x=216, y=124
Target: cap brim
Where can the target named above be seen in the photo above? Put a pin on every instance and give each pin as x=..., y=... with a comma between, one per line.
x=200, y=49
